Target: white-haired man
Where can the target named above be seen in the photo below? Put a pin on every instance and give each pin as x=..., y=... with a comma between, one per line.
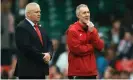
x=82, y=39
x=34, y=46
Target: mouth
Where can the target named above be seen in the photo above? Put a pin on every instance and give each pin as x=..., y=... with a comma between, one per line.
x=87, y=18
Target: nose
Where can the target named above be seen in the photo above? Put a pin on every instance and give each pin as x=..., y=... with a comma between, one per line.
x=88, y=14
x=39, y=14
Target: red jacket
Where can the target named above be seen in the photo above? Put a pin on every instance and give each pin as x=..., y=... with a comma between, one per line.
x=81, y=46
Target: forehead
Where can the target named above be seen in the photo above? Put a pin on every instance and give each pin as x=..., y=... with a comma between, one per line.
x=83, y=9
x=35, y=8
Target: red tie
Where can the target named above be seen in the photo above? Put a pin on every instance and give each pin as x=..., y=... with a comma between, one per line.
x=38, y=32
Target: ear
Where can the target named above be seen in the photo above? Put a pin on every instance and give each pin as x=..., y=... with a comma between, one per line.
x=28, y=14
x=78, y=16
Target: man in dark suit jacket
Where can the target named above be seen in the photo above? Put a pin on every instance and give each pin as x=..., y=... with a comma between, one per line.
x=34, y=46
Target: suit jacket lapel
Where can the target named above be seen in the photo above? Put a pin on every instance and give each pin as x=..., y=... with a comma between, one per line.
x=30, y=28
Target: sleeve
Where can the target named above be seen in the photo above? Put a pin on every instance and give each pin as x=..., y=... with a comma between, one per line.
x=50, y=47
x=23, y=43
x=96, y=41
x=75, y=45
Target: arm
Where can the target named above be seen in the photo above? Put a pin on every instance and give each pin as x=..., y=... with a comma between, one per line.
x=24, y=45
x=75, y=45
x=96, y=41
x=50, y=47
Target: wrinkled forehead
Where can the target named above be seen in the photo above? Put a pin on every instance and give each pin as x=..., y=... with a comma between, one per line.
x=34, y=8
x=84, y=9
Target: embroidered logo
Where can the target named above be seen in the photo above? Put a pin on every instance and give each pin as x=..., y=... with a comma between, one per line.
x=80, y=34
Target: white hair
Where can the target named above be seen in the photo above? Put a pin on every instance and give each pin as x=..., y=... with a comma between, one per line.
x=27, y=9
x=78, y=7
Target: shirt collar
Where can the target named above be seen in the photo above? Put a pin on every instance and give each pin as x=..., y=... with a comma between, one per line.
x=80, y=26
x=30, y=22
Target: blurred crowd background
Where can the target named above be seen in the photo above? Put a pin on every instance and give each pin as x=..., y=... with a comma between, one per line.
x=112, y=18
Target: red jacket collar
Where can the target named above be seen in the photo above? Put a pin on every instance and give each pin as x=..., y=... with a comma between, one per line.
x=79, y=26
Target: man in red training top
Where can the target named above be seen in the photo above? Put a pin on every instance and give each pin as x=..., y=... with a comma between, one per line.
x=82, y=39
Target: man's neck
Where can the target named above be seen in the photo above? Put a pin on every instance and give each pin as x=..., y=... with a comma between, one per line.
x=32, y=20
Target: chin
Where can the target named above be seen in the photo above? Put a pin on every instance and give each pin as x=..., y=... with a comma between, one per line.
x=38, y=20
x=88, y=19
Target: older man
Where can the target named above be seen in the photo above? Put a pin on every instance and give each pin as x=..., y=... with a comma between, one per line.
x=34, y=45
x=82, y=39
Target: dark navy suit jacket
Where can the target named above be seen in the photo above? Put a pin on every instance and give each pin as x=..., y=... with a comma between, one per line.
x=30, y=57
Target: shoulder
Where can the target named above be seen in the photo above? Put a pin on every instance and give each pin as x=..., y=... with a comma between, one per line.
x=72, y=32
x=22, y=25
x=72, y=28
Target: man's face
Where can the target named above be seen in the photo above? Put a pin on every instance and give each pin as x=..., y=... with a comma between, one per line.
x=84, y=14
x=35, y=14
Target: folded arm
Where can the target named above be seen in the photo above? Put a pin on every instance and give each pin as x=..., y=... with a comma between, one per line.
x=75, y=45
x=96, y=41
